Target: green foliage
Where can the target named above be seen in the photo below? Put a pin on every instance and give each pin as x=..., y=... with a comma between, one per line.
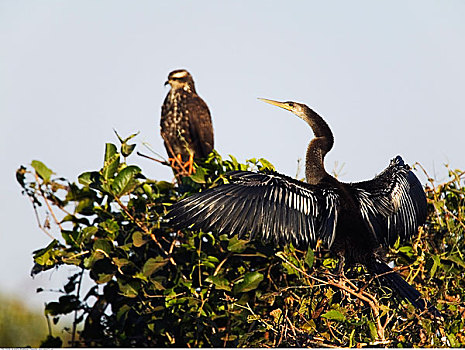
x=157, y=287
x=20, y=326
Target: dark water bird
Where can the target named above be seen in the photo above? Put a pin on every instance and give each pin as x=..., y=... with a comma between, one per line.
x=354, y=220
x=185, y=125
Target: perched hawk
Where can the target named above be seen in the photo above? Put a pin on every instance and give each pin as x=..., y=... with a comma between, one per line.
x=186, y=125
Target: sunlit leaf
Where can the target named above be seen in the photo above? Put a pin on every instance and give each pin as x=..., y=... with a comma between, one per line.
x=86, y=233
x=237, y=245
x=103, y=245
x=111, y=161
x=199, y=176
x=129, y=289
x=152, y=265
x=127, y=149
x=309, y=258
x=456, y=259
x=125, y=182
x=250, y=282
x=334, y=315
x=138, y=239
x=219, y=282
x=266, y=165
x=42, y=170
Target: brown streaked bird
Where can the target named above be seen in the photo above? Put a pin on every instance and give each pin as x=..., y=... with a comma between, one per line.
x=354, y=220
x=185, y=125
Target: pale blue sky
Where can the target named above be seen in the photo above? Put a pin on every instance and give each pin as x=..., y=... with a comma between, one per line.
x=388, y=76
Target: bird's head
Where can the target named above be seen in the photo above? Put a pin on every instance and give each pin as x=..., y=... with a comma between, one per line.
x=299, y=109
x=180, y=79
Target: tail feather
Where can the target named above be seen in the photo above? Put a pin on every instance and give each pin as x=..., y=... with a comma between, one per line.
x=393, y=280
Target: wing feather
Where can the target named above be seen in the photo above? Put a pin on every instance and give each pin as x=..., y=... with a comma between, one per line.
x=272, y=205
x=393, y=204
x=200, y=126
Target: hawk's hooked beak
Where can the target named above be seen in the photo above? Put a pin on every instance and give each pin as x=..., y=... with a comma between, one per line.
x=276, y=103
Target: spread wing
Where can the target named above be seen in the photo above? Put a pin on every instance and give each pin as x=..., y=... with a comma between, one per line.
x=393, y=204
x=268, y=204
x=200, y=127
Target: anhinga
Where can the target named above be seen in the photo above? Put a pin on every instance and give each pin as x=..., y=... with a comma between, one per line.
x=354, y=220
x=185, y=125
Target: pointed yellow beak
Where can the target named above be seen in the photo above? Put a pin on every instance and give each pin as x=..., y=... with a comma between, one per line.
x=276, y=103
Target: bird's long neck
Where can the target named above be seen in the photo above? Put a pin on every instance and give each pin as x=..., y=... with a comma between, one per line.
x=318, y=146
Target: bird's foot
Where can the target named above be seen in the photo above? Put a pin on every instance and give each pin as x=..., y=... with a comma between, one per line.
x=175, y=161
x=181, y=168
x=190, y=164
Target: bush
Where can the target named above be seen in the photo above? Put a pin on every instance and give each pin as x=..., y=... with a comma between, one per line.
x=156, y=287
x=19, y=325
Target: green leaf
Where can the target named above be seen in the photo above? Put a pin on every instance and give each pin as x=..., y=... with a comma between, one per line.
x=42, y=170
x=104, y=277
x=84, y=206
x=120, y=262
x=250, y=282
x=65, y=305
x=110, y=151
x=453, y=340
x=309, y=258
x=234, y=161
x=127, y=149
x=407, y=250
x=456, y=259
x=237, y=245
x=86, y=233
x=130, y=289
x=351, y=339
x=330, y=263
x=21, y=175
x=138, y=239
x=125, y=182
x=127, y=138
x=334, y=315
x=266, y=165
x=373, y=331
x=85, y=178
x=103, y=245
x=48, y=248
x=110, y=226
x=208, y=264
x=93, y=258
x=71, y=237
x=199, y=176
x=152, y=265
x=44, y=260
x=219, y=282
x=157, y=285
x=436, y=264
x=111, y=163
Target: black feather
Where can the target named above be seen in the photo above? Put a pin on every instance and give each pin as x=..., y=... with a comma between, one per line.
x=393, y=280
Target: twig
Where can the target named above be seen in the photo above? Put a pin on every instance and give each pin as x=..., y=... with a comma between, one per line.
x=46, y=202
x=164, y=162
x=140, y=225
x=38, y=219
x=331, y=330
x=368, y=298
x=73, y=335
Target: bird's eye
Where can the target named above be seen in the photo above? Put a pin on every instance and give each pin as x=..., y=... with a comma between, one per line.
x=290, y=104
